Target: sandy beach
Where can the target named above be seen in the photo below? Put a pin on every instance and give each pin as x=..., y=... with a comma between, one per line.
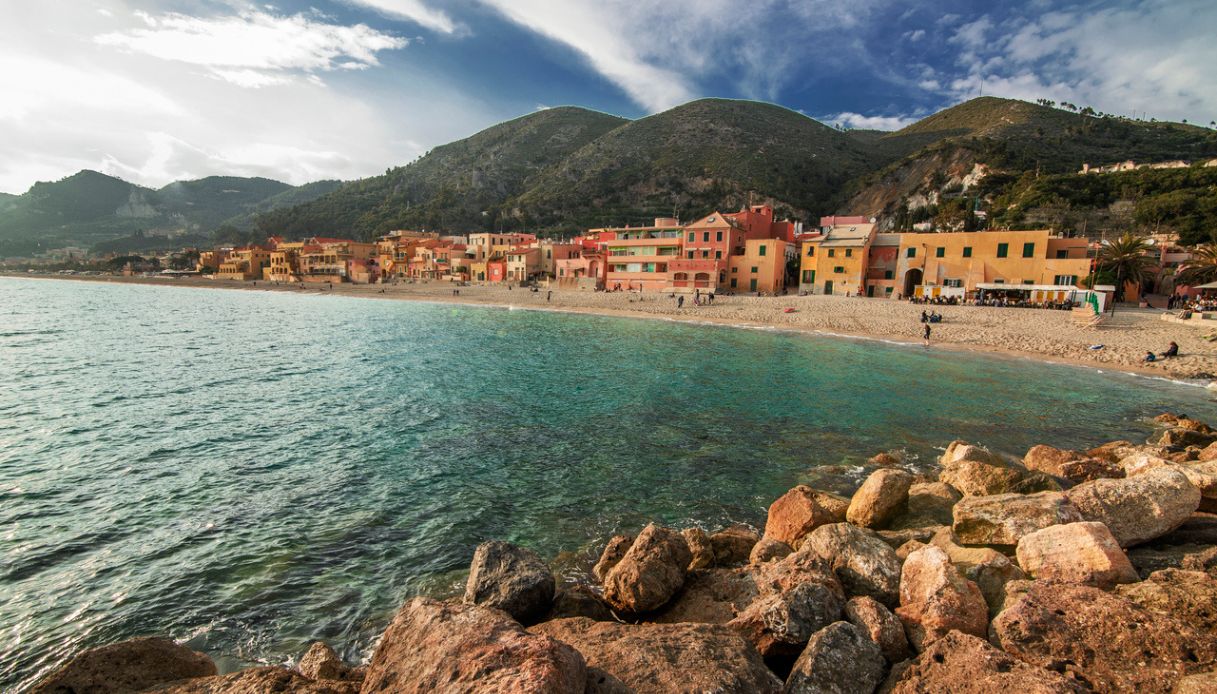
x=1043, y=334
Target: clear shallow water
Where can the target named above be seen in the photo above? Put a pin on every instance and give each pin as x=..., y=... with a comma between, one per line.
x=252, y=471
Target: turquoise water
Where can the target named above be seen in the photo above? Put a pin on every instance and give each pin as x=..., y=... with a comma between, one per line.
x=251, y=471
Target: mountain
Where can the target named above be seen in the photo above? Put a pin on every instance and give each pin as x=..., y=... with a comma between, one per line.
x=458, y=186
x=952, y=150
x=89, y=208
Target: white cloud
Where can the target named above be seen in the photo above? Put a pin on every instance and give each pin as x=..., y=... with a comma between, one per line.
x=254, y=49
x=915, y=35
x=861, y=122
x=414, y=11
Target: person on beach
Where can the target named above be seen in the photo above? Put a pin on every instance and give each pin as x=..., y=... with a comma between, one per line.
x=925, y=317
x=680, y=301
x=926, y=335
x=548, y=296
x=1172, y=350
x=1149, y=356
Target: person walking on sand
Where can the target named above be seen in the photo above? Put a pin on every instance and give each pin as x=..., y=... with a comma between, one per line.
x=548, y=295
x=680, y=301
x=926, y=335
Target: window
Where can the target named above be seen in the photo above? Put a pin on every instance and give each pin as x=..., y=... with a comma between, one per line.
x=887, y=274
x=887, y=290
x=762, y=252
x=967, y=251
x=690, y=255
x=752, y=285
x=718, y=255
x=1003, y=250
x=705, y=236
x=733, y=283
x=999, y=281
x=811, y=251
x=832, y=253
x=691, y=237
x=1062, y=253
x=754, y=269
x=952, y=283
x=839, y=269
x=809, y=276
x=940, y=252
x=910, y=253
x=718, y=236
x=1028, y=281
x=705, y=254
x=1028, y=250
x=849, y=252
x=734, y=269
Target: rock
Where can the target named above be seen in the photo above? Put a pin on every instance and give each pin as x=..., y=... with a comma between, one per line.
x=880, y=626
x=1147, y=560
x=1086, y=469
x=1199, y=528
x=1113, y=452
x=320, y=662
x=1032, y=482
x=1203, y=476
x=1102, y=640
x=713, y=596
x=1142, y=462
x=884, y=459
x=1049, y=460
x=962, y=450
x=800, y=511
x=1203, y=683
x=935, y=598
x=261, y=680
x=1190, y=596
x=903, y=551
x=616, y=548
x=663, y=658
x=989, y=569
x=1181, y=437
x=434, y=646
x=1208, y=453
x=1139, y=508
x=929, y=503
x=839, y=659
x=512, y=579
x=975, y=471
x=768, y=549
x=699, y=546
x=1003, y=519
x=1082, y=552
x=779, y=625
x=1167, y=418
x=578, y=600
x=962, y=664
x=127, y=666
x=883, y=495
x=733, y=545
x=861, y=560
x=898, y=538
x=650, y=573
x=1185, y=422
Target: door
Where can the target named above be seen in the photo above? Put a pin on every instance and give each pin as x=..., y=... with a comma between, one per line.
x=752, y=285
x=870, y=291
x=828, y=287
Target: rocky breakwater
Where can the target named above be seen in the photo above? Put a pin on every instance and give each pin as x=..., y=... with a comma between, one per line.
x=1062, y=571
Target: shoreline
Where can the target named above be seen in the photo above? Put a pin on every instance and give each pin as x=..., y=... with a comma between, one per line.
x=1194, y=369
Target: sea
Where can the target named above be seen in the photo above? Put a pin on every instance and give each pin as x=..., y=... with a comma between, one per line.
x=250, y=471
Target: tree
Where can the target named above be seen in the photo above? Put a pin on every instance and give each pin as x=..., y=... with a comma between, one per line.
x=1201, y=269
x=1127, y=257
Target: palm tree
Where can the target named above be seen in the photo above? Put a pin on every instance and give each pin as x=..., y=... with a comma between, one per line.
x=1127, y=258
x=1201, y=269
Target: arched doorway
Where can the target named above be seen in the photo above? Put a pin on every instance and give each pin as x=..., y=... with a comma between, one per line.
x=912, y=280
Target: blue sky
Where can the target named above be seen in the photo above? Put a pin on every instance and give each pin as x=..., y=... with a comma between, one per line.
x=158, y=90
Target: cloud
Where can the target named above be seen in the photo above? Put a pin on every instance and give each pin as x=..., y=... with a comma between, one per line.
x=915, y=35
x=414, y=11
x=254, y=49
x=861, y=122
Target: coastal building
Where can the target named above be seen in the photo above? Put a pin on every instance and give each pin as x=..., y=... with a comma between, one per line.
x=324, y=259
x=247, y=263
x=484, y=246
x=584, y=271
x=835, y=261
x=209, y=261
x=524, y=264
x=762, y=266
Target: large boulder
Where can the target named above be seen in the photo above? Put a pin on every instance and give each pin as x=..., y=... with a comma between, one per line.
x=989, y=569
x=768, y=549
x=779, y=624
x=699, y=547
x=839, y=659
x=975, y=471
x=929, y=504
x=1182, y=437
x=1082, y=552
x=1003, y=519
x=1191, y=557
x=935, y=598
x=1103, y=640
x=578, y=600
x=800, y=511
x=663, y=658
x=320, y=662
x=959, y=663
x=880, y=626
x=1049, y=460
x=712, y=596
x=1187, y=595
x=880, y=498
x=435, y=646
x=616, y=548
x=650, y=573
x=261, y=680
x=1114, y=451
x=1138, y=508
x=864, y=563
x=512, y=579
x=128, y=666
x=1203, y=683
x=733, y=545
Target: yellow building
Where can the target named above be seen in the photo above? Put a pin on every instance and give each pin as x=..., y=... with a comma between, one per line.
x=244, y=264
x=762, y=267
x=969, y=261
x=836, y=261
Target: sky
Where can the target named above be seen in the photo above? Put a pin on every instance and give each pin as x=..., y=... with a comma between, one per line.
x=154, y=91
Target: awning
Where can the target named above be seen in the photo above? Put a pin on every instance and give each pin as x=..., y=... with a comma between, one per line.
x=1210, y=285
x=1031, y=287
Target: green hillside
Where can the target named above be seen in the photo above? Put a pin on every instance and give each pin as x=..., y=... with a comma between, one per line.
x=458, y=186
